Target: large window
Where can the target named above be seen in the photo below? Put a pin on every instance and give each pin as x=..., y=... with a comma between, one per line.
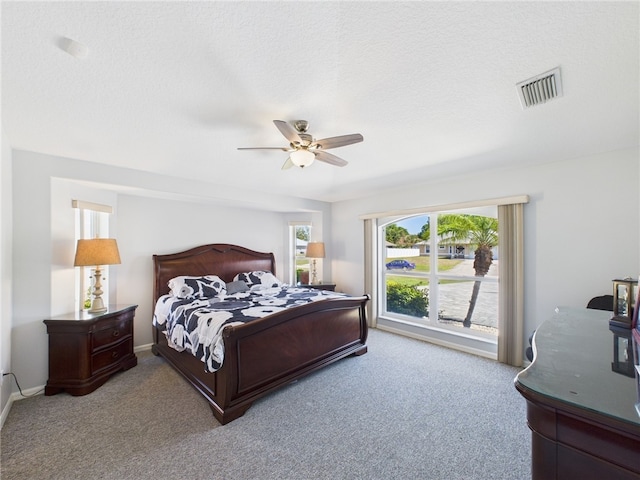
x=439, y=270
x=448, y=291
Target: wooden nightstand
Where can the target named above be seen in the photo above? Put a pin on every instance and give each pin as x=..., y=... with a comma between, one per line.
x=86, y=349
x=319, y=286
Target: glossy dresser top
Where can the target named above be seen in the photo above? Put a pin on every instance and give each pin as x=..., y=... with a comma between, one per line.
x=576, y=362
x=83, y=315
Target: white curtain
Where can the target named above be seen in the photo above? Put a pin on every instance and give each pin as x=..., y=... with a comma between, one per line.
x=510, y=265
x=370, y=275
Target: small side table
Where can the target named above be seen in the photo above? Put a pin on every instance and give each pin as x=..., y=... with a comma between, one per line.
x=86, y=349
x=319, y=286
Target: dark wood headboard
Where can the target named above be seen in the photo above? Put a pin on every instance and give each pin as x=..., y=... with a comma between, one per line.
x=221, y=259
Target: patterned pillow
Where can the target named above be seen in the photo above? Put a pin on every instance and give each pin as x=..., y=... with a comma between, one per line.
x=258, y=279
x=197, y=287
x=236, y=287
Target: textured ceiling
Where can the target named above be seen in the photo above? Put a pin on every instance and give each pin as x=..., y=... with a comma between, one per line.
x=176, y=87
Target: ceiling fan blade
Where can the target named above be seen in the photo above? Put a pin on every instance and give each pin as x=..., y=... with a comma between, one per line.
x=335, y=142
x=288, y=164
x=284, y=149
x=329, y=158
x=288, y=131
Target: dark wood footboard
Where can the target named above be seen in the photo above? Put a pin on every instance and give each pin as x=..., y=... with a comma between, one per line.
x=265, y=354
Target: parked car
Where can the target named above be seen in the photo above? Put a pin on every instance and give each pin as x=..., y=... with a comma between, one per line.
x=400, y=265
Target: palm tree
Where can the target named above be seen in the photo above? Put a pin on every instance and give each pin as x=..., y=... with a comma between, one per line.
x=479, y=231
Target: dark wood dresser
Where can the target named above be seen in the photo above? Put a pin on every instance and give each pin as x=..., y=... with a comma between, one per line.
x=583, y=399
x=86, y=349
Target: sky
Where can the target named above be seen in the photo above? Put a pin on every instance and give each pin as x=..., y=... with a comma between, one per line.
x=413, y=224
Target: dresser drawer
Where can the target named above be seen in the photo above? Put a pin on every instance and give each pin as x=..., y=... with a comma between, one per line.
x=110, y=356
x=111, y=331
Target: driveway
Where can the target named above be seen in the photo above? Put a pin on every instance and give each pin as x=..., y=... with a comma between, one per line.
x=455, y=297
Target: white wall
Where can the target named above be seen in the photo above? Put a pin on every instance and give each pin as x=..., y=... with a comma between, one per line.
x=154, y=214
x=5, y=271
x=149, y=226
x=581, y=226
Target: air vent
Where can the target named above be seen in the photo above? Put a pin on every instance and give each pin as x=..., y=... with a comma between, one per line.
x=540, y=89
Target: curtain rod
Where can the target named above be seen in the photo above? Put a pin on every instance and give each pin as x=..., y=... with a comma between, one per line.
x=96, y=207
x=450, y=206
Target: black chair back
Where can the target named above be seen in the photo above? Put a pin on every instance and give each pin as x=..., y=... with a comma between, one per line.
x=603, y=302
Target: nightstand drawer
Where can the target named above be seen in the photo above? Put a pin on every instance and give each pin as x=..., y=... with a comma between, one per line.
x=111, y=356
x=111, y=331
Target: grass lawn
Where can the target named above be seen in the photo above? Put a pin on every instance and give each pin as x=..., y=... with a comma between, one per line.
x=422, y=266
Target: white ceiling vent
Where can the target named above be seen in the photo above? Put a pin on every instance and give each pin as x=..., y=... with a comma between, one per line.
x=540, y=89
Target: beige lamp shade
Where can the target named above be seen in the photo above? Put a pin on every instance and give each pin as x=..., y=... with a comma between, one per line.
x=315, y=250
x=97, y=251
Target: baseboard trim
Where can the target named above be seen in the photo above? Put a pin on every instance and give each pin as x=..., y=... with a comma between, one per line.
x=142, y=348
x=5, y=411
x=29, y=392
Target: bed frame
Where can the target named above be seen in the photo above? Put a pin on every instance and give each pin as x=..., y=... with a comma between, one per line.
x=263, y=354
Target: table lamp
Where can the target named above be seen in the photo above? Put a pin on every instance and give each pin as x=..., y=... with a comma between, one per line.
x=315, y=250
x=94, y=253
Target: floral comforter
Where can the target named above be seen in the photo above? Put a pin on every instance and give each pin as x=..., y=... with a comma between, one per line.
x=196, y=325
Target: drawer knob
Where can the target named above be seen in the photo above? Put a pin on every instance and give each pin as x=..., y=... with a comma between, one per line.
x=114, y=355
x=116, y=333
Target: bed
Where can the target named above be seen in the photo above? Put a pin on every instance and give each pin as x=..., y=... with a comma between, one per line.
x=264, y=354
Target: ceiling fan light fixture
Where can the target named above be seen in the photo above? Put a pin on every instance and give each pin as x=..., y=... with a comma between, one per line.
x=304, y=150
x=302, y=158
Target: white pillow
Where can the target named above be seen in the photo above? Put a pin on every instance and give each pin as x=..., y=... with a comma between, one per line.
x=197, y=287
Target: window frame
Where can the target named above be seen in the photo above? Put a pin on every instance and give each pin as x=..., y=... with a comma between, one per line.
x=293, y=243
x=433, y=278
x=510, y=312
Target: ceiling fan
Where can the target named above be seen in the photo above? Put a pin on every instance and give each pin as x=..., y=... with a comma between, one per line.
x=303, y=149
